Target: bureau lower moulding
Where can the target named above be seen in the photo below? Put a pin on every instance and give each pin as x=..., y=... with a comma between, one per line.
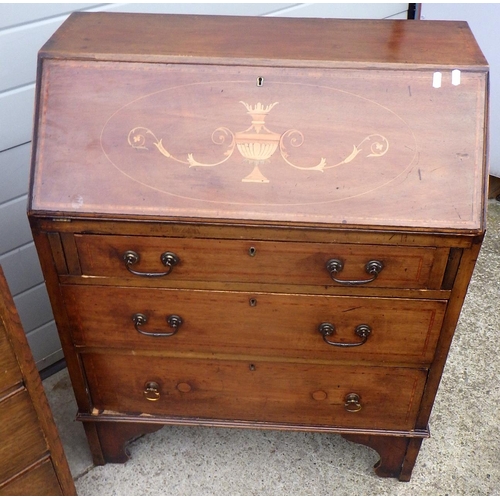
x=238, y=229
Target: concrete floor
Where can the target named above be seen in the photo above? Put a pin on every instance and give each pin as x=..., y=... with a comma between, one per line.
x=462, y=457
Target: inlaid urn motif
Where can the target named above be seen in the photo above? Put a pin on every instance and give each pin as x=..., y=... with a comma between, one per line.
x=258, y=144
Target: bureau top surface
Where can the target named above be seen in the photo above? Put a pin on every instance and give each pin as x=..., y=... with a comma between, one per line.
x=263, y=120
x=339, y=42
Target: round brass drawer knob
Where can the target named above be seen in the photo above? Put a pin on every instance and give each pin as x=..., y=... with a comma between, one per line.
x=352, y=402
x=319, y=395
x=152, y=391
x=183, y=387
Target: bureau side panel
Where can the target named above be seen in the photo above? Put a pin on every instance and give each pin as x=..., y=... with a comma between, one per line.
x=460, y=286
x=48, y=264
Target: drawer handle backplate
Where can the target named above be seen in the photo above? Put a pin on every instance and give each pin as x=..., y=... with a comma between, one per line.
x=173, y=321
x=327, y=330
x=373, y=267
x=168, y=259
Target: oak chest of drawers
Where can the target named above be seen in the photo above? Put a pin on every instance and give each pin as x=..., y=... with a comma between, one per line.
x=32, y=460
x=259, y=222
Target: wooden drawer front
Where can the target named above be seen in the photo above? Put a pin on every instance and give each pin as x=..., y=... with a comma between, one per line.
x=22, y=440
x=10, y=374
x=261, y=324
x=256, y=390
x=40, y=480
x=261, y=261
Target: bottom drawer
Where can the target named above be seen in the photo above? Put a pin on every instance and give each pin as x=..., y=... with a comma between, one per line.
x=262, y=391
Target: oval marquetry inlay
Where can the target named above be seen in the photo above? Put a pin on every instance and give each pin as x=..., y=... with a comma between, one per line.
x=289, y=142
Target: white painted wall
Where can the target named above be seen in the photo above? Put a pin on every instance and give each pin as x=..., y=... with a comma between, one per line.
x=484, y=21
x=24, y=28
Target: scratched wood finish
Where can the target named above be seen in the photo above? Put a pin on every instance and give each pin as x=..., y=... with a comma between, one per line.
x=279, y=325
x=260, y=391
x=256, y=158
x=261, y=261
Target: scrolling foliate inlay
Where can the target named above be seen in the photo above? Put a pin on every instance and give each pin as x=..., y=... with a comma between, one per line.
x=258, y=144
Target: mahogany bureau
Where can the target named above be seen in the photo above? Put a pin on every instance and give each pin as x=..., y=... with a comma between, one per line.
x=259, y=222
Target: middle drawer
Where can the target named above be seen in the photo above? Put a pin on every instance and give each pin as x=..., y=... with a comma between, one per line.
x=265, y=324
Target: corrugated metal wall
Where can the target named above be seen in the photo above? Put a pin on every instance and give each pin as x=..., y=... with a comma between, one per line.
x=24, y=28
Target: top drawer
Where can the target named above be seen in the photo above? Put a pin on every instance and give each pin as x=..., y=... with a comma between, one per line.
x=244, y=261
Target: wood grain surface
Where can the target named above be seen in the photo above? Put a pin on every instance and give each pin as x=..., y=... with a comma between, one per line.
x=321, y=146
x=260, y=391
x=254, y=261
x=174, y=38
x=256, y=150
x=22, y=439
x=246, y=324
x=32, y=460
